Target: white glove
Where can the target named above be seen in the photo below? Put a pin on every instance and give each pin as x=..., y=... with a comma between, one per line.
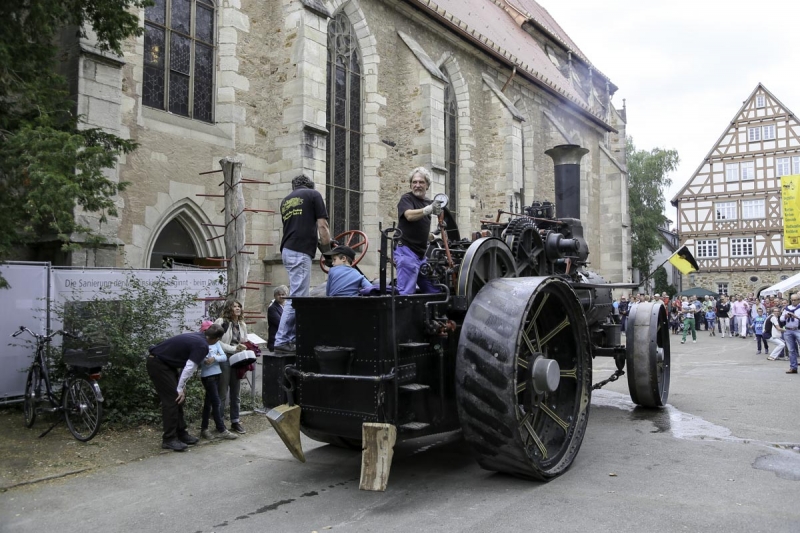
x=435, y=208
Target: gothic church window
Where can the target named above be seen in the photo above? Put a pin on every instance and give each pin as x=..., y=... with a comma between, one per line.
x=451, y=144
x=343, y=194
x=179, y=57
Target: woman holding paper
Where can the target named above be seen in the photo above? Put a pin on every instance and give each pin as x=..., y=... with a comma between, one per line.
x=232, y=342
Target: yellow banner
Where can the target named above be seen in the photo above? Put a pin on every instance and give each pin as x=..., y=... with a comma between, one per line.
x=790, y=194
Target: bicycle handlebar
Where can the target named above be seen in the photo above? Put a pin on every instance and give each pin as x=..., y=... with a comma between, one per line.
x=42, y=338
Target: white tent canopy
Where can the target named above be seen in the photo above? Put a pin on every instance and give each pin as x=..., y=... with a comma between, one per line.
x=782, y=286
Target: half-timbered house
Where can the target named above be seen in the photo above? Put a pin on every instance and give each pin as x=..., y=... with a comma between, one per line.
x=729, y=211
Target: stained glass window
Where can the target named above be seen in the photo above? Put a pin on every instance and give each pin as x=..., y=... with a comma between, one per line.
x=451, y=144
x=179, y=57
x=344, y=126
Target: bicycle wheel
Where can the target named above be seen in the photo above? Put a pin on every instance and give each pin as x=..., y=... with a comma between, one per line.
x=82, y=410
x=32, y=391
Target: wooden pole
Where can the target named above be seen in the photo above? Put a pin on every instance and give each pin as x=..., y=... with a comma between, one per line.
x=239, y=264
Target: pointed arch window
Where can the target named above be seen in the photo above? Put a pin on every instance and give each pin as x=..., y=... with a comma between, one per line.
x=344, y=86
x=179, y=57
x=451, y=143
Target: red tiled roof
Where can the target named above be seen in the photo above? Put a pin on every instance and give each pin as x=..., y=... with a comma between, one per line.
x=490, y=24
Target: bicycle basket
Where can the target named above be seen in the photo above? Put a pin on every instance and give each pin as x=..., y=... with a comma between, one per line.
x=86, y=352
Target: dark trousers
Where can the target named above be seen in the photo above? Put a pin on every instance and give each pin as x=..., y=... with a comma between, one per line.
x=624, y=321
x=759, y=340
x=211, y=403
x=229, y=383
x=165, y=379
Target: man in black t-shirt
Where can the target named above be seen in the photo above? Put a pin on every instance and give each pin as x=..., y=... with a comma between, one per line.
x=304, y=215
x=414, y=221
x=164, y=363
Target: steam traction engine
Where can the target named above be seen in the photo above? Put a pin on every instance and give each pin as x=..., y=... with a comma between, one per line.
x=503, y=353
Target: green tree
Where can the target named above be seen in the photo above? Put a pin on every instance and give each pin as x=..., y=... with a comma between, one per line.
x=50, y=160
x=661, y=283
x=647, y=179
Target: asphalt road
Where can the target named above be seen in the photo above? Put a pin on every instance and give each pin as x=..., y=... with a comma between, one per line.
x=720, y=457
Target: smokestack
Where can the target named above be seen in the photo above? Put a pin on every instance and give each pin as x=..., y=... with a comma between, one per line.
x=567, y=161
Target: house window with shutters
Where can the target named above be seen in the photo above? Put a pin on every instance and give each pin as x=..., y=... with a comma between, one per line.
x=748, y=170
x=179, y=57
x=707, y=248
x=782, y=166
x=451, y=143
x=753, y=209
x=726, y=210
x=344, y=94
x=731, y=171
x=742, y=247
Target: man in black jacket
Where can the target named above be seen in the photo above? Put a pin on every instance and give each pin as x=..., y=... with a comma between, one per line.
x=164, y=364
x=274, y=313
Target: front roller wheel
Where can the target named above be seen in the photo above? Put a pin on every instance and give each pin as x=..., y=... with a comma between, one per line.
x=523, y=376
x=647, y=354
x=83, y=410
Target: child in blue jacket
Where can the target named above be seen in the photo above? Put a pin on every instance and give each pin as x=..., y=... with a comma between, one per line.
x=210, y=373
x=711, y=318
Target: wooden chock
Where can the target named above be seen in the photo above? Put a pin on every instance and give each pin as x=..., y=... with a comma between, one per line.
x=376, y=456
x=285, y=419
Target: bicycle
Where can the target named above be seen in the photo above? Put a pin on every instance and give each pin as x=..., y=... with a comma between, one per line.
x=79, y=400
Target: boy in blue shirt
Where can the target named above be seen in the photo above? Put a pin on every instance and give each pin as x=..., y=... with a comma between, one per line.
x=711, y=318
x=343, y=279
x=758, y=328
x=210, y=373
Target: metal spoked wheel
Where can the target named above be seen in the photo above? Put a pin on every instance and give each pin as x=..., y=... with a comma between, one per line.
x=486, y=259
x=32, y=391
x=647, y=354
x=523, y=376
x=82, y=409
x=528, y=249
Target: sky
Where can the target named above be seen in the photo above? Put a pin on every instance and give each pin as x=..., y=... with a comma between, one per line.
x=685, y=67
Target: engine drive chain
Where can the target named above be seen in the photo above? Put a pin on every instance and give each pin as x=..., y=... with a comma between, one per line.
x=614, y=377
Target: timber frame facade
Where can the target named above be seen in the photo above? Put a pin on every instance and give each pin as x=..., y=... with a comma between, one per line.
x=729, y=211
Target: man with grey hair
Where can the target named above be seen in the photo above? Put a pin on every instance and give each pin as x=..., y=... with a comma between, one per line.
x=414, y=212
x=304, y=216
x=274, y=313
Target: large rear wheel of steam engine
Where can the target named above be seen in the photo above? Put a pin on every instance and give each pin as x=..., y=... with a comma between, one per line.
x=523, y=376
x=647, y=357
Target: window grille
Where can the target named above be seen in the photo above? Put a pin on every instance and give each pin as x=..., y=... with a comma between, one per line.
x=451, y=144
x=179, y=57
x=343, y=194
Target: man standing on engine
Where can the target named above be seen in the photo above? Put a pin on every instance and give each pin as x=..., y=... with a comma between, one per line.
x=304, y=215
x=414, y=221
